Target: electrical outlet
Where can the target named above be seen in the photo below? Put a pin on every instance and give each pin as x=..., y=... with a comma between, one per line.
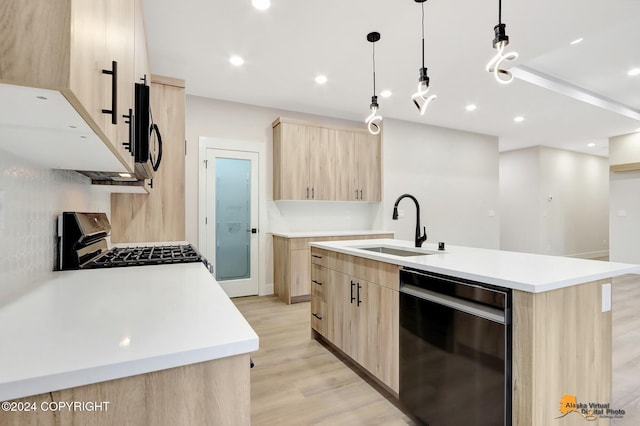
x=2, y=208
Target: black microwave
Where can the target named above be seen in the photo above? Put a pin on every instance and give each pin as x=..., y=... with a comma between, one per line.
x=147, y=149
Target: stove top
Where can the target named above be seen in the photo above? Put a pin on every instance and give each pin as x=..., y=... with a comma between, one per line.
x=150, y=255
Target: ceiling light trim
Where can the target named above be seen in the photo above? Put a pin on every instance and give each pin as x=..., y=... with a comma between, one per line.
x=562, y=87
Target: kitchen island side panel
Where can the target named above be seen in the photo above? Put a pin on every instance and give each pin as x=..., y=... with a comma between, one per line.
x=214, y=392
x=562, y=344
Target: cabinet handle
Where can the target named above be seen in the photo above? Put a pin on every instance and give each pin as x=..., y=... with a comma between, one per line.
x=317, y=316
x=356, y=194
x=129, y=120
x=316, y=256
x=359, y=301
x=352, y=285
x=313, y=193
x=361, y=194
x=307, y=192
x=113, y=72
x=316, y=282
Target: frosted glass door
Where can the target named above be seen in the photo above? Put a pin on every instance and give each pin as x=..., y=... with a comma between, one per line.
x=233, y=219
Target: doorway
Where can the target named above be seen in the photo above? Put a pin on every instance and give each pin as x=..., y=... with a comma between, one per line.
x=231, y=219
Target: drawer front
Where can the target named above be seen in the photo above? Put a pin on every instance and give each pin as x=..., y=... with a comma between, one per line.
x=319, y=257
x=319, y=316
x=319, y=282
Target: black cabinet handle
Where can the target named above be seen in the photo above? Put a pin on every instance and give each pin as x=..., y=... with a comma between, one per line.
x=316, y=282
x=359, y=301
x=307, y=192
x=313, y=193
x=316, y=256
x=361, y=194
x=356, y=194
x=113, y=72
x=352, y=285
x=317, y=316
x=129, y=120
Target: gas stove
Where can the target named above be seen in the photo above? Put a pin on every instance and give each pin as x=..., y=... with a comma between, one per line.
x=83, y=245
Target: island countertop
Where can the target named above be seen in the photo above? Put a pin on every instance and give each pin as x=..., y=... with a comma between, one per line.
x=532, y=273
x=89, y=326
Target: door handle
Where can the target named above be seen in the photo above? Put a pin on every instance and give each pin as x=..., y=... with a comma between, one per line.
x=316, y=282
x=352, y=285
x=359, y=301
x=113, y=72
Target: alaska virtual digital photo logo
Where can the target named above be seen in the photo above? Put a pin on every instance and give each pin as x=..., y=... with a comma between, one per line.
x=591, y=411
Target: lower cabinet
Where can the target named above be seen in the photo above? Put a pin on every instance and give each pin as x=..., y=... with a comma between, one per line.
x=358, y=316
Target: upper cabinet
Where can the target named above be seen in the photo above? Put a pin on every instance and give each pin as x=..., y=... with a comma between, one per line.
x=85, y=50
x=315, y=162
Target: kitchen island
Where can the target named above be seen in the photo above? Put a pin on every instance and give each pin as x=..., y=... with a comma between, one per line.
x=156, y=345
x=560, y=318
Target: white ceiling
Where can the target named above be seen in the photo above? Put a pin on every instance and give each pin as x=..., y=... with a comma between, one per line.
x=286, y=46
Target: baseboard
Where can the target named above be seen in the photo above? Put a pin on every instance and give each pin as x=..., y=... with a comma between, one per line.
x=266, y=289
x=590, y=255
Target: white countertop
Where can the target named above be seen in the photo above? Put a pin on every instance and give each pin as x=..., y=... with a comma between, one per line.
x=532, y=273
x=312, y=234
x=89, y=326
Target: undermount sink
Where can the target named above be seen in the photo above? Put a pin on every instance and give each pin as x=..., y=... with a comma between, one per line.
x=397, y=251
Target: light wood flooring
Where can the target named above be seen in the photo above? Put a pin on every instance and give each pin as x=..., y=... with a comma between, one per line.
x=297, y=381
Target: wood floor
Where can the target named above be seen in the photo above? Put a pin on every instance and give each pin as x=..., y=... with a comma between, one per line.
x=297, y=381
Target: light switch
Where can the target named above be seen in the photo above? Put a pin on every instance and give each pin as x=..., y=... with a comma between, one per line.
x=606, y=297
x=2, y=208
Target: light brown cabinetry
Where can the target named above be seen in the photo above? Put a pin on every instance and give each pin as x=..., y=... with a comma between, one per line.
x=361, y=307
x=316, y=162
x=291, y=273
x=160, y=215
x=214, y=392
x=67, y=45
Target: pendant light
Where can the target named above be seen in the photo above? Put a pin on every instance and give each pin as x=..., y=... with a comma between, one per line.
x=501, y=41
x=373, y=120
x=420, y=98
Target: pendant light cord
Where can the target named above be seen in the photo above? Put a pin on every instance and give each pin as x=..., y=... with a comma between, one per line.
x=374, y=68
x=500, y=12
x=422, y=34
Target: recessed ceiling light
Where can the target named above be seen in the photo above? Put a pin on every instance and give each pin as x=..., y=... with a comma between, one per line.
x=638, y=130
x=236, y=60
x=261, y=4
x=385, y=93
x=471, y=107
x=591, y=145
x=633, y=72
x=42, y=98
x=576, y=41
x=518, y=119
x=125, y=175
x=321, y=79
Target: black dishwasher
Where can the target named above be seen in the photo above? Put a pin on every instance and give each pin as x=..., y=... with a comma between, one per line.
x=455, y=350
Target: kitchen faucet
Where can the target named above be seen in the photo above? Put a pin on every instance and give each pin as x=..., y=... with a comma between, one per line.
x=419, y=238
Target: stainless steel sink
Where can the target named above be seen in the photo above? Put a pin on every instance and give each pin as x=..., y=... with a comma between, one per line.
x=396, y=251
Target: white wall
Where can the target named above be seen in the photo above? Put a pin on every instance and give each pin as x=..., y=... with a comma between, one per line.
x=520, y=226
x=454, y=175
x=624, y=187
x=31, y=199
x=554, y=202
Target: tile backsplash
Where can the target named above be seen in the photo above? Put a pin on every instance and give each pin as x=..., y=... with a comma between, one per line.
x=31, y=198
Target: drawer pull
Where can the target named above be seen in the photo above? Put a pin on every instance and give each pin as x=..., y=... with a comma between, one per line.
x=316, y=256
x=113, y=72
x=317, y=316
x=316, y=282
x=352, y=286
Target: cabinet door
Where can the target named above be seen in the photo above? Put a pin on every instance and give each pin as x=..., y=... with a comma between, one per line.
x=346, y=173
x=291, y=162
x=121, y=48
x=88, y=54
x=368, y=157
x=300, y=272
x=322, y=163
x=355, y=319
x=382, y=358
x=141, y=50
